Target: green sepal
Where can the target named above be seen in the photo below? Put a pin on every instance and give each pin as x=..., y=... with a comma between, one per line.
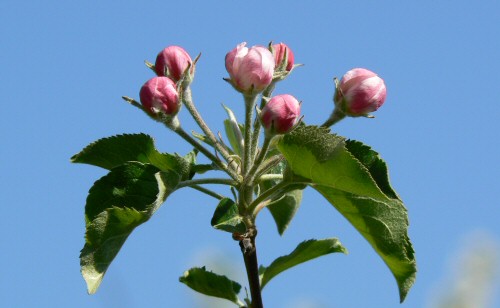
x=150, y=65
x=211, y=284
x=227, y=218
x=305, y=251
x=117, y=203
x=202, y=138
x=353, y=178
x=116, y=150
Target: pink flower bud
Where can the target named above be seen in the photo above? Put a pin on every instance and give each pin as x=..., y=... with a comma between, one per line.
x=249, y=67
x=174, y=60
x=159, y=96
x=279, y=56
x=360, y=92
x=280, y=114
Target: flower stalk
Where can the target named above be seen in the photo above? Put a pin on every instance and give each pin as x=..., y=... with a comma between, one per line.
x=250, y=101
x=335, y=117
x=258, y=161
x=207, y=192
x=256, y=124
x=184, y=135
x=188, y=102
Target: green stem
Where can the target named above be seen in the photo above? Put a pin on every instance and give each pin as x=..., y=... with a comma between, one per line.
x=256, y=124
x=268, y=177
x=207, y=191
x=265, y=147
x=253, y=207
x=335, y=117
x=267, y=165
x=246, y=190
x=188, y=102
x=207, y=181
x=182, y=133
x=247, y=154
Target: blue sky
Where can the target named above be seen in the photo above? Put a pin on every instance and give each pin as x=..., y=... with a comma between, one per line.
x=65, y=65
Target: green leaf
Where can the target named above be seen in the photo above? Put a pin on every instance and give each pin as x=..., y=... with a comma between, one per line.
x=105, y=236
x=202, y=168
x=375, y=165
x=211, y=284
x=117, y=203
x=226, y=217
x=353, y=178
x=233, y=132
x=305, y=251
x=113, y=151
x=284, y=207
x=232, y=137
x=186, y=165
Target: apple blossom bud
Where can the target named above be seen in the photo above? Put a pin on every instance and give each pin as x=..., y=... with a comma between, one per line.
x=250, y=69
x=360, y=92
x=279, y=56
x=172, y=62
x=280, y=114
x=159, y=96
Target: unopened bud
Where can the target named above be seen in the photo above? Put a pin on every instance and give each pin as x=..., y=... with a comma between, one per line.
x=250, y=69
x=283, y=56
x=360, y=92
x=280, y=114
x=159, y=97
x=172, y=62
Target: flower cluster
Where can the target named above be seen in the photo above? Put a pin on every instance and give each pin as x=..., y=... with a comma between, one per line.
x=159, y=95
x=258, y=172
x=252, y=70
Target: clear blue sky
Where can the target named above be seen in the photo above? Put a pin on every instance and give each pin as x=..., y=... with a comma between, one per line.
x=64, y=66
